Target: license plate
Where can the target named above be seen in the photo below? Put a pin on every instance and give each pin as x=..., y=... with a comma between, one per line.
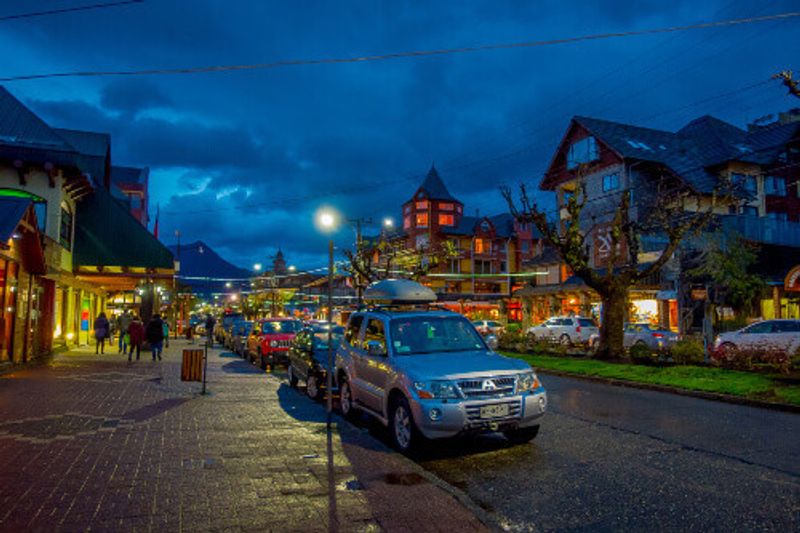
x=494, y=411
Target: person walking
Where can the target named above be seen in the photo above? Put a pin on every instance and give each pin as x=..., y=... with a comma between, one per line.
x=154, y=332
x=123, y=321
x=166, y=333
x=102, y=329
x=135, y=336
x=210, y=323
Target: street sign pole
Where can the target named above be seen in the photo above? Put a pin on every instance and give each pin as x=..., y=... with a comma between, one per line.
x=329, y=381
x=205, y=367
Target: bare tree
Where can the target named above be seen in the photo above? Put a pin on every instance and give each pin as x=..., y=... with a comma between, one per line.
x=379, y=259
x=670, y=213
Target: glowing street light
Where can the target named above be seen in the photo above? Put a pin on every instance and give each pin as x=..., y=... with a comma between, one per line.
x=292, y=268
x=228, y=284
x=257, y=267
x=388, y=223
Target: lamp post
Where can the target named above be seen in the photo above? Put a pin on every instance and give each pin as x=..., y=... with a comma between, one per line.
x=326, y=220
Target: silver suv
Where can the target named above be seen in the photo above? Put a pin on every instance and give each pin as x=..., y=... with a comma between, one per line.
x=428, y=374
x=565, y=330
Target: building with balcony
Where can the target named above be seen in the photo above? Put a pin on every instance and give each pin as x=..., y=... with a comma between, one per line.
x=605, y=159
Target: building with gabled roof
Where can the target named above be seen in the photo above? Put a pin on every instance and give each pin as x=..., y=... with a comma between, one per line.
x=131, y=186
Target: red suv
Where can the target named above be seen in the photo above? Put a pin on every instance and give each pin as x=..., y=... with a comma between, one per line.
x=271, y=340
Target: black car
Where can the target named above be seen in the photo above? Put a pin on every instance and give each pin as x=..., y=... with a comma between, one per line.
x=308, y=357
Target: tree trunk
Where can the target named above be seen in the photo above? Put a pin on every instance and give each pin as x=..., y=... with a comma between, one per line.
x=615, y=301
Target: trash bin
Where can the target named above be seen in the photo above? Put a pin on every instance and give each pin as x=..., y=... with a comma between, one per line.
x=192, y=368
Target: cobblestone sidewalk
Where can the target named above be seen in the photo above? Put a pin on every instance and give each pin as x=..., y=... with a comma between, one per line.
x=96, y=443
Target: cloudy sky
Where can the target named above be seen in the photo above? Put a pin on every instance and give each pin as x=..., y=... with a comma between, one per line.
x=242, y=160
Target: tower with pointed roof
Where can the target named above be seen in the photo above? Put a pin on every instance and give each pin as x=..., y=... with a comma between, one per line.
x=431, y=210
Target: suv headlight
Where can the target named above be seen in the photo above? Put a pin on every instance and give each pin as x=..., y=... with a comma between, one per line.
x=527, y=382
x=273, y=344
x=442, y=390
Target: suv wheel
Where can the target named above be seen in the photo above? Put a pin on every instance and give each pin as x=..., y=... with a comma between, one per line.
x=291, y=376
x=312, y=387
x=521, y=435
x=346, y=399
x=402, y=430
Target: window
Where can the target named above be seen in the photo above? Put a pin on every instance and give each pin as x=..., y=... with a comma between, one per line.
x=65, y=230
x=566, y=195
x=353, y=328
x=406, y=222
x=407, y=209
x=483, y=267
x=760, y=327
x=446, y=220
x=422, y=241
x=503, y=266
x=455, y=266
x=422, y=220
x=750, y=211
x=446, y=206
x=482, y=246
x=610, y=182
x=775, y=186
x=747, y=183
x=422, y=204
x=375, y=332
x=583, y=151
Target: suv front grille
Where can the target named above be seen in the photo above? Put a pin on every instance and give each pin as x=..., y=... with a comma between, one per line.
x=487, y=387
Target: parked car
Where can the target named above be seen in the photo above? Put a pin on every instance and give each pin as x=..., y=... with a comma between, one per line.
x=228, y=333
x=224, y=324
x=488, y=327
x=566, y=330
x=428, y=374
x=271, y=340
x=653, y=337
x=308, y=357
x=239, y=334
x=761, y=338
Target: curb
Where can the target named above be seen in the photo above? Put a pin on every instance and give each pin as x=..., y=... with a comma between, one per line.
x=715, y=396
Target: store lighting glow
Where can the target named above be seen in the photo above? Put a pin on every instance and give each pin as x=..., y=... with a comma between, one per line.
x=70, y=336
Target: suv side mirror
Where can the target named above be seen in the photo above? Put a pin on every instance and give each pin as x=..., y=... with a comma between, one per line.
x=376, y=348
x=492, y=342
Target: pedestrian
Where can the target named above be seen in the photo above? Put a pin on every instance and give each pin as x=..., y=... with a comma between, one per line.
x=166, y=333
x=102, y=329
x=135, y=336
x=154, y=332
x=210, y=323
x=123, y=321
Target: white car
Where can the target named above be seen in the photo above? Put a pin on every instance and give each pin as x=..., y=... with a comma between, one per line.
x=760, y=338
x=565, y=330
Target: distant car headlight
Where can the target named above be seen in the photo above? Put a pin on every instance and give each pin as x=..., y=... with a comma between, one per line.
x=273, y=344
x=527, y=382
x=442, y=390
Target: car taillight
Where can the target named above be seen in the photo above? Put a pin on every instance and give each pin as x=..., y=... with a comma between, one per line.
x=578, y=329
x=658, y=335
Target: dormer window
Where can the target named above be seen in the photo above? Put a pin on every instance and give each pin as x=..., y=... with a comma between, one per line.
x=422, y=204
x=581, y=152
x=446, y=206
x=446, y=220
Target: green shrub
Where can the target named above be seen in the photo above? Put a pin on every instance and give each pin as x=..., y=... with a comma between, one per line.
x=687, y=352
x=513, y=327
x=512, y=340
x=643, y=355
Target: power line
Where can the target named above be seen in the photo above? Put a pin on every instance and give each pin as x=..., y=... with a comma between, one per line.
x=69, y=10
x=400, y=55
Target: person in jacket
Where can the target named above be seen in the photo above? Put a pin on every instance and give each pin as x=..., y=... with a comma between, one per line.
x=123, y=321
x=154, y=333
x=210, y=323
x=135, y=336
x=102, y=329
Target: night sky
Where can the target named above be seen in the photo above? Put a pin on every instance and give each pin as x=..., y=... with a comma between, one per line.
x=242, y=160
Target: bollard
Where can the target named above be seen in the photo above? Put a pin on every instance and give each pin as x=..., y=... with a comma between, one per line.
x=192, y=368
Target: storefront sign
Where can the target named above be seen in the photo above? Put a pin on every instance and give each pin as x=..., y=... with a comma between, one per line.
x=699, y=294
x=792, y=282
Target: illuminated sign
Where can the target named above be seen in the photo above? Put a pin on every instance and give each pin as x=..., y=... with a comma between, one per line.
x=792, y=282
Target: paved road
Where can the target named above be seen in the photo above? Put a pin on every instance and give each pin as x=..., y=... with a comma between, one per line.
x=611, y=458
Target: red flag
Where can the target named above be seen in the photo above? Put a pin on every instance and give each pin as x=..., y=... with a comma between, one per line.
x=155, y=227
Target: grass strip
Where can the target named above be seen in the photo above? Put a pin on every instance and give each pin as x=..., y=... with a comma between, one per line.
x=687, y=377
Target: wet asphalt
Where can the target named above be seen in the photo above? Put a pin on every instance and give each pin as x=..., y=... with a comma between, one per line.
x=614, y=458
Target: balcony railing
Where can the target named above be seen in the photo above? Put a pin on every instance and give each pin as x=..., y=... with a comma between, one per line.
x=763, y=230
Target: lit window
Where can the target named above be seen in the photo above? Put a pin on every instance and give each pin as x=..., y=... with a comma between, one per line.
x=775, y=186
x=446, y=220
x=610, y=182
x=446, y=206
x=422, y=220
x=481, y=246
x=406, y=222
x=583, y=151
x=422, y=205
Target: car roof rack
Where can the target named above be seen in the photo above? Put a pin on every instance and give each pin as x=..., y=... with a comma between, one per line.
x=398, y=292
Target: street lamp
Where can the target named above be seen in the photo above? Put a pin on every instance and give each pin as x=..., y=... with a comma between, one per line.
x=327, y=221
x=227, y=284
x=388, y=223
x=292, y=268
x=257, y=267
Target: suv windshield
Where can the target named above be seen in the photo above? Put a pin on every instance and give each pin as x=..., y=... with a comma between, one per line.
x=423, y=335
x=280, y=326
x=321, y=338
